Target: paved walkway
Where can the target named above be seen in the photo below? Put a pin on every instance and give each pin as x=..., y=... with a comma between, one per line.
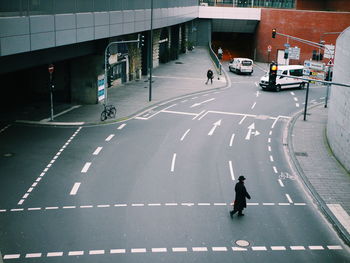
x=327, y=180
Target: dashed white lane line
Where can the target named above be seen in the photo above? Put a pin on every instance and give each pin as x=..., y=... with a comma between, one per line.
x=109, y=137
x=280, y=182
x=269, y=148
x=295, y=99
x=292, y=93
x=231, y=140
x=289, y=199
x=75, y=253
x=275, y=169
x=12, y=256
x=96, y=252
x=231, y=170
x=278, y=248
x=122, y=126
x=5, y=128
x=297, y=247
x=117, y=251
x=138, y=250
x=33, y=255
x=199, y=249
x=172, y=169
x=271, y=158
x=159, y=250
x=98, y=150
x=86, y=167
x=253, y=106
x=54, y=254
x=75, y=189
x=49, y=165
x=242, y=120
x=297, y=105
x=184, y=135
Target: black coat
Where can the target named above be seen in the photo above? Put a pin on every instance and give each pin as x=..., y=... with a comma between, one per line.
x=210, y=74
x=241, y=195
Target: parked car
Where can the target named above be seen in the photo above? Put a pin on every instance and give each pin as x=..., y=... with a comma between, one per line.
x=284, y=82
x=241, y=65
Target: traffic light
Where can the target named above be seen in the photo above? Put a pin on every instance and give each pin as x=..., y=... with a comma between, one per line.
x=273, y=74
x=141, y=40
x=274, y=33
x=286, y=52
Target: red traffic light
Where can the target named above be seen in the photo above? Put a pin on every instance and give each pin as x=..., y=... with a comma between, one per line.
x=274, y=33
x=51, y=68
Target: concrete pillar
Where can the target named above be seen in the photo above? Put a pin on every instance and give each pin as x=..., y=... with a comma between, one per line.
x=84, y=72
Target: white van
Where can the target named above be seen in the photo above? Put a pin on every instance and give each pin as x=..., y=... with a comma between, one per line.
x=284, y=82
x=241, y=65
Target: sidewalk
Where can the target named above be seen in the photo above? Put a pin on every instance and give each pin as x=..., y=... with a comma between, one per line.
x=326, y=179
x=177, y=78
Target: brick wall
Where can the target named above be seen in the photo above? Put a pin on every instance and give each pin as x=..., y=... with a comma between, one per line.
x=323, y=5
x=308, y=25
x=338, y=126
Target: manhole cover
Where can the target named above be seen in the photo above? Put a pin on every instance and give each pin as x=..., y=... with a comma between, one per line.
x=242, y=243
x=8, y=154
x=304, y=154
x=178, y=62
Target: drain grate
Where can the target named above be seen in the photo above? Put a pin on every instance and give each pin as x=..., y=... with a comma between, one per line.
x=242, y=243
x=303, y=154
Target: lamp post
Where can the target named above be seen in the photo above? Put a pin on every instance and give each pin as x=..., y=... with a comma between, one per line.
x=150, y=63
x=51, y=69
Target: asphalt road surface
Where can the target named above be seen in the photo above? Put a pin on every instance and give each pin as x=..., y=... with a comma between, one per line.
x=159, y=187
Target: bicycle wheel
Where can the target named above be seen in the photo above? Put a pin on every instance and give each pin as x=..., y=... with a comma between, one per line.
x=103, y=115
x=112, y=112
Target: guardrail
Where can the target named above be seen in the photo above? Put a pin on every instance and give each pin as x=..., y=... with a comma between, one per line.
x=215, y=59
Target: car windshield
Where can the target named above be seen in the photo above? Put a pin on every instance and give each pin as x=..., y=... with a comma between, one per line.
x=246, y=63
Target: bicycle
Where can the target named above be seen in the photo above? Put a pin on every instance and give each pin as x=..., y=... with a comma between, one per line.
x=109, y=111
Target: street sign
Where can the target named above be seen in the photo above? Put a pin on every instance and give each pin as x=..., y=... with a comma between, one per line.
x=286, y=45
x=314, y=65
x=269, y=48
x=329, y=51
x=294, y=53
x=101, y=87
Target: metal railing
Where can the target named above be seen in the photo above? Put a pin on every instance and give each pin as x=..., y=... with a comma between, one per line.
x=50, y=7
x=251, y=3
x=215, y=59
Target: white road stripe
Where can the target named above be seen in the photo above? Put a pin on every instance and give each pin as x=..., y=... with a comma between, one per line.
x=297, y=105
x=204, y=204
x=241, y=121
x=179, y=249
x=154, y=204
x=122, y=126
x=268, y=203
x=16, y=209
x=75, y=189
x=69, y=207
x=295, y=99
x=96, y=252
x=316, y=247
x=270, y=133
x=86, y=167
x=171, y=204
x=138, y=250
x=275, y=169
x=231, y=171
x=34, y=208
x=75, y=253
x=97, y=151
x=86, y=206
x=159, y=250
x=12, y=256
x=301, y=204
x=271, y=158
x=292, y=93
x=183, y=136
x=334, y=247
x=103, y=206
x=199, y=249
x=231, y=140
x=52, y=208
x=120, y=205
x=269, y=148
x=253, y=105
x=33, y=255
x=219, y=248
x=297, y=247
x=259, y=248
x=137, y=205
x=269, y=140
x=278, y=248
x=280, y=182
x=289, y=199
x=220, y=204
x=109, y=137
x=239, y=249
x=54, y=254
x=173, y=163
x=198, y=115
x=117, y=251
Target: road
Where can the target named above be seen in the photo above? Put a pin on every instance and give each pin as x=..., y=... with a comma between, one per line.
x=159, y=187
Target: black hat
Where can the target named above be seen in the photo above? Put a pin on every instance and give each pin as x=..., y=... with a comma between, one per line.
x=241, y=178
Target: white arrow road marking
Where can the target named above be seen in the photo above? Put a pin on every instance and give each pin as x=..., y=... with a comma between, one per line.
x=216, y=124
x=250, y=131
x=200, y=103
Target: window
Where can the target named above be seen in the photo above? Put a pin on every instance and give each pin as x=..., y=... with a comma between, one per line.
x=296, y=72
x=246, y=63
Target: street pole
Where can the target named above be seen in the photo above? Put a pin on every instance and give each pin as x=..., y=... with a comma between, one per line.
x=51, y=87
x=306, y=99
x=151, y=56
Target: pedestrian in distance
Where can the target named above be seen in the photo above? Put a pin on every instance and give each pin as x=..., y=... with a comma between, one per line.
x=241, y=194
x=220, y=53
x=210, y=76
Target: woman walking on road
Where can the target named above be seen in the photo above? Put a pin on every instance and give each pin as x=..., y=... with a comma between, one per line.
x=241, y=194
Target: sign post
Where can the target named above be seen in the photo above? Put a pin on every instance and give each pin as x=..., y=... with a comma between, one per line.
x=51, y=87
x=269, y=48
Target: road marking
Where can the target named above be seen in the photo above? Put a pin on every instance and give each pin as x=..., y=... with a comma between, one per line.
x=268, y=204
x=158, y=204
x=200, y=103
x=33, y=255
x=86, y=167
x=179, y=249
x=52, y=208
x=280, y=182
x=5, y=128
x=341, y=215
x=253, y=105
x=137, y=204
x=103, y=206
x=173, y=163
x=270, y=133
x=289, y=199
x=219, y=249
x=250, y=131
x=17, y=209
x=86, y=206
x=269, y=148
x=297, y=247
x=54, y=254
x=75, y=189
x=269, y=140
x=118, y=251
x=109, y=137
x=275, y=169
x=159, y=250
x=232, y=138
x=138, y=250
x=180, y=112
x=200, y=204
x=297, y=105
x=316, y=247
x=231, y=171
x=278, y=248
x=183, y=136
x=199, y=249
x=334, y=247
x=122, y=126
x=259, y=248
x=12, y=256
x=97, y=151
x=241, y=121
x=75, y=253
x=187, y=204
x=216, y=124
x=271, y=158
x=195, y=117
x=96, y=252
x=238, y=249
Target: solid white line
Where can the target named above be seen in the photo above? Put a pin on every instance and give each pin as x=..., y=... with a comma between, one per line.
x=173, y=163
x=231, y=140
x=54, y=254
x=122, y=126
x=109, y=137
x=253, y=105
x=159, y=250
x=280, y=182
x=245, y=116
x=86, y=167
x=75, y=189
x=138, y=250
x=97, y=151
x=231, y=171
x=183, y=136
x=117, y=251
x=289, y=199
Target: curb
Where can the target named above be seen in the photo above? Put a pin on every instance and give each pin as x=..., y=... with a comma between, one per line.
x=320, y=202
